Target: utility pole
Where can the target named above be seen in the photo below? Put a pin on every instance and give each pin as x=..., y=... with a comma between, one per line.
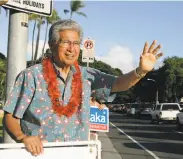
x=157, y=100
x=17, y=49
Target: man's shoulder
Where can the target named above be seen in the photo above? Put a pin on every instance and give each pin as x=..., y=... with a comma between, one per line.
x=89, y=72
x=37, y=68
x=88, y=69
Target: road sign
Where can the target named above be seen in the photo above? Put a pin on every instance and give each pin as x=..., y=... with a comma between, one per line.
x=99, y=119
x=88, y=51
x=41, y=7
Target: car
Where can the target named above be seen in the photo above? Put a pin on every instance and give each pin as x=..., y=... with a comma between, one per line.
x=132, y=108
x=115, y=108
x=144, y=110
x=179, y=120
x=181, y=106
x=120, y=108
x=165, y=112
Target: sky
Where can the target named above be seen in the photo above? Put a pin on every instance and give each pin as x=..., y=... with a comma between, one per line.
x=120, y=29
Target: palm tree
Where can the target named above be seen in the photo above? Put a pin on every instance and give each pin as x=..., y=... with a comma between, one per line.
x=40, y=22
x=75, y=6
x=33, y=17
x=49, y=20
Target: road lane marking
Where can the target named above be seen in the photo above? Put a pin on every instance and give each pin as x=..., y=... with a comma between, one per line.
x=148, y=151
x=179, y=132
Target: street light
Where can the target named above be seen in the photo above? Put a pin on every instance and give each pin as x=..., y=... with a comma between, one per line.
x=149, y=79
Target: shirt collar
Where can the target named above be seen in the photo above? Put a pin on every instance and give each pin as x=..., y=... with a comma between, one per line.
x=72, y=69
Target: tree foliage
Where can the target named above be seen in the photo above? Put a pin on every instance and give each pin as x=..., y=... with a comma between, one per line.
x=75, y=7
x=2, y=76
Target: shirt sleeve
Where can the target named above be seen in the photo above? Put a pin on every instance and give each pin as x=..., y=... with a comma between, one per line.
x=101, y=85
x=21, y=95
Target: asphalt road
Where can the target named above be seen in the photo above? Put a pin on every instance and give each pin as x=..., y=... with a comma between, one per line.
x=139, y=139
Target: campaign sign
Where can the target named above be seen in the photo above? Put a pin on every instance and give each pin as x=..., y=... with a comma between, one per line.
x=99, y=119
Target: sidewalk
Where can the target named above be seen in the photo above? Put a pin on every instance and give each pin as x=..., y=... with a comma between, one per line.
x=108, y=150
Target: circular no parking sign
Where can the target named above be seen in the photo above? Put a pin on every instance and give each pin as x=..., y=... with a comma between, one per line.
x=88, y=44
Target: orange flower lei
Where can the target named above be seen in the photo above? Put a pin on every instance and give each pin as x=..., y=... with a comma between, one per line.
x=54, y=93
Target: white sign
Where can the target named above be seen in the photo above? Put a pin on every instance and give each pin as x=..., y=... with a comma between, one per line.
x=60, y=150
x=88, y=51
x=41, y=7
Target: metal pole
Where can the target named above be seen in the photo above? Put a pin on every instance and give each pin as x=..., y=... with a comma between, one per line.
x=157, y=102
x=149, y=79
x=17, y=49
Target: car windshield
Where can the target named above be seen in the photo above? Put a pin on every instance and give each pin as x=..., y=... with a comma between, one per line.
x=170, y=107
x=181, y=105
x=134, y=105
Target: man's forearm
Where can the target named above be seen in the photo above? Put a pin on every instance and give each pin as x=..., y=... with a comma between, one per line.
x=12, y=124
x=125, y=81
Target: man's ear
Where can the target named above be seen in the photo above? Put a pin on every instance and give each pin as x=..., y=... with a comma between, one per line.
x=3, y=2
x=50, y=44
x=52, y=47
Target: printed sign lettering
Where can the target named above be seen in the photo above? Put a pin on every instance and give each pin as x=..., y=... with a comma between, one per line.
x=41, y=7
x=99, y=119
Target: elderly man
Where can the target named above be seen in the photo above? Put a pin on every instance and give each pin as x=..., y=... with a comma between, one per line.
x=52, y=99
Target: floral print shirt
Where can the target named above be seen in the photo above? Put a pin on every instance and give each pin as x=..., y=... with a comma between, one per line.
x=29, y=101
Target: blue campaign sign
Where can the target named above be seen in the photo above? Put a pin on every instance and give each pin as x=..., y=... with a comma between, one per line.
x=99, y=119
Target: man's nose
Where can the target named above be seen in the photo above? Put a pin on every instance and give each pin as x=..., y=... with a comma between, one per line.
x=71, y=46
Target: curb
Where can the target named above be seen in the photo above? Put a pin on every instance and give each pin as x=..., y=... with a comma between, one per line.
x=108, y=150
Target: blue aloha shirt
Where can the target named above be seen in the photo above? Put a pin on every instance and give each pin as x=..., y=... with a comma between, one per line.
x=29, y=101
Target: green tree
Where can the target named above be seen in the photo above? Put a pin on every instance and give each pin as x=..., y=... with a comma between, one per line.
x=33, y=17
x=50, y=20
x=173, y=77
x=75, y=6
x=2, y=78
x=40, y=21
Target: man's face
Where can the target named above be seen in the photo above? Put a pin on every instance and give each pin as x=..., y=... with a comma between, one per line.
x=67, y=49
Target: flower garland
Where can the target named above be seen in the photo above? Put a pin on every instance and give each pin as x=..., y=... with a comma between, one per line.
x=50, y=77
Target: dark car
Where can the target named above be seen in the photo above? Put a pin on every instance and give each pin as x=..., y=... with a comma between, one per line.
x=144, y=110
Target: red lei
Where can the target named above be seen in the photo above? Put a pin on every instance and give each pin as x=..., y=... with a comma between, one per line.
x=50, y=77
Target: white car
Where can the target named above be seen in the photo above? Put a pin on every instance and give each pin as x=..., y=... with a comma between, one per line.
x=179, y=119
x=165, y=112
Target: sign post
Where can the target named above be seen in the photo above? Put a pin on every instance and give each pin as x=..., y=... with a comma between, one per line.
x=88, y=53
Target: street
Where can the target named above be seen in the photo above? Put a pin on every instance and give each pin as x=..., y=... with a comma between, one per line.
x=140, y=139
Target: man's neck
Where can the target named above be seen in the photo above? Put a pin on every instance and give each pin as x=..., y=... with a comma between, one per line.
x=63, y=69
